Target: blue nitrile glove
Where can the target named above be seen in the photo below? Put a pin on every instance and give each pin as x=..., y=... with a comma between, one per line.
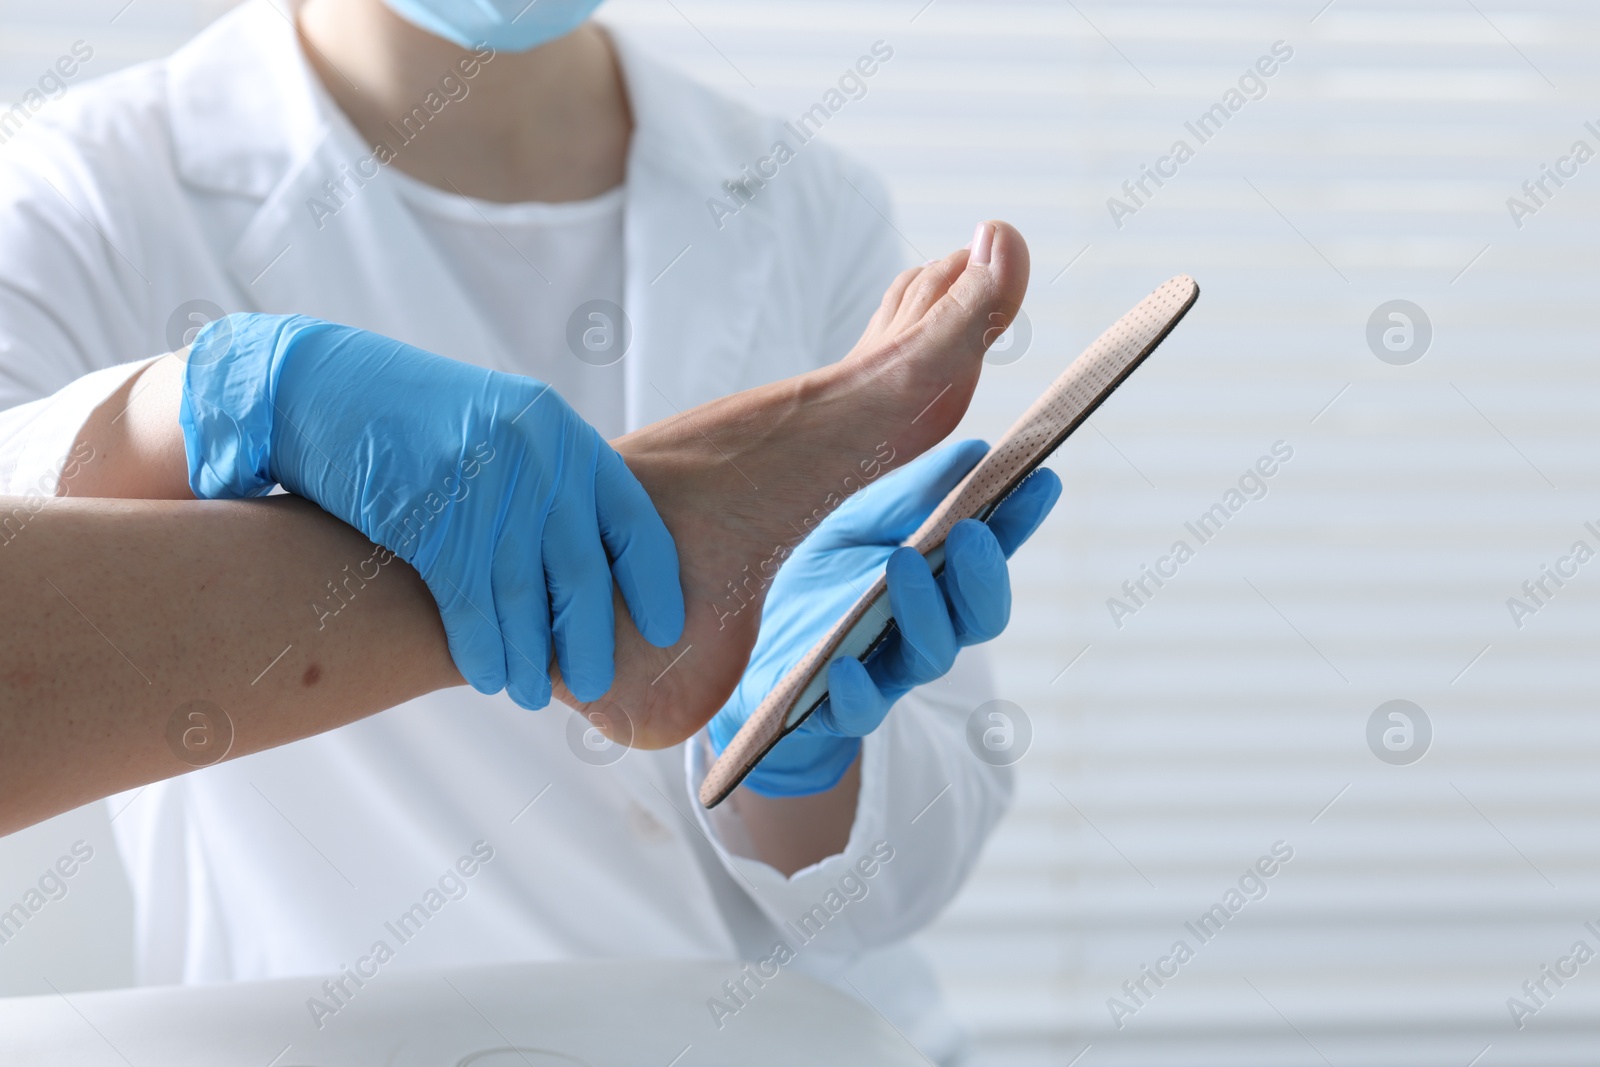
x=969, y=603
x=512, y=508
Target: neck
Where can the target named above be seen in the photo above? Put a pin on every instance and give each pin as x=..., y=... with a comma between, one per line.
x=550, y=124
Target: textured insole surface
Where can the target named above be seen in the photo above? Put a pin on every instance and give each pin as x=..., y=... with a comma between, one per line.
x=1062, y=408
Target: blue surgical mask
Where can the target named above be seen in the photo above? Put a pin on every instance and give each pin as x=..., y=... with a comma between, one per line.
x=504, y=25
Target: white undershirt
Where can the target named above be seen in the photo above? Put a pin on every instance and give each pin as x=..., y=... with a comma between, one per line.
x=530, y=268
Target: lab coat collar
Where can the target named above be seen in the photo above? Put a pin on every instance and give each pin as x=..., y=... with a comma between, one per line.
x=695, y=289
x=243, y=103
x=250, y=117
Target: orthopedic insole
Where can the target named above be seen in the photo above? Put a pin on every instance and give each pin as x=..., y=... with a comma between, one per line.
x=1063, y=407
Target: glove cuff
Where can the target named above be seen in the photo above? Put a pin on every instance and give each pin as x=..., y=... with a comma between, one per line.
x=227, y=406
x=801, y=765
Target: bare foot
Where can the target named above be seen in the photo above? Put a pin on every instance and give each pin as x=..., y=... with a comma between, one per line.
x=741, y=480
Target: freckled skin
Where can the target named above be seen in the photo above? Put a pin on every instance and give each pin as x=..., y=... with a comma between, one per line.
x=21, y=678
x=89, y=685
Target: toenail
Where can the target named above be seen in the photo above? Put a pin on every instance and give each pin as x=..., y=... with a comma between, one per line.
x=982, y=244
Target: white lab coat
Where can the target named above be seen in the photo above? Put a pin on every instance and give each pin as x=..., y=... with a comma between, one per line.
x=190, y=179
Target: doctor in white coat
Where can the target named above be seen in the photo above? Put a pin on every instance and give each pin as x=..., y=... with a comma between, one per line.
x=227, y=177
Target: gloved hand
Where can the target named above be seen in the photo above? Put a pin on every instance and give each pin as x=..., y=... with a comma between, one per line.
x=503, y=499
x=969, y=603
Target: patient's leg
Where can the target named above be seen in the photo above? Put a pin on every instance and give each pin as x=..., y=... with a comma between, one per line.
x=741, y=479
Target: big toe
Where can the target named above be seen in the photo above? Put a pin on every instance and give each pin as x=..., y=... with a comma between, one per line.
x=984, y=299
x=937, y=358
